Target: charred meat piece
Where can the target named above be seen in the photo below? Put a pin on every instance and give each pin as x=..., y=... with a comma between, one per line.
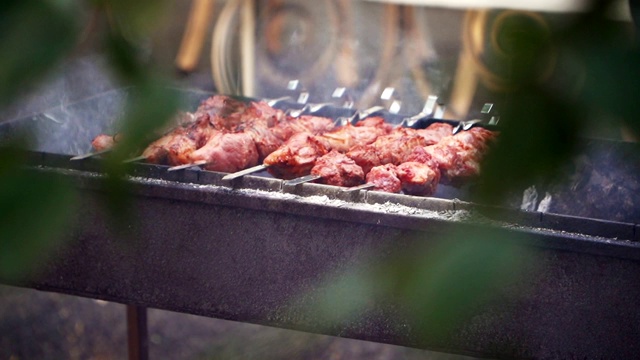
x=304, y=124
x=227, y=152
x=193, y=137
x=157, y=151
x=435, y=132
x=418, y=178
x=348, y=136
x=458, y=156
x=104, y=142
x=387, y=149
x=296, y=157
x=335, y=168
x=222, y=111
x=385, y=178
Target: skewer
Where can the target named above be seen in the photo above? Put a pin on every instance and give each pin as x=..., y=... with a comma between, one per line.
x=465, y=125
x=360, y=115
x=427, y=110
x=274, y=102
x=302, y=180
x=359, y=187
x=91, y=154
x=244, y=172
x=186, y=166
x=137, y=158
x=487, y=111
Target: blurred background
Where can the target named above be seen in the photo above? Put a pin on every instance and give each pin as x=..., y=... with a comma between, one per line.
x=346, y=52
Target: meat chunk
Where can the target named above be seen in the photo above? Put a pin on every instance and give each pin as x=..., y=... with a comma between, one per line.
x=304, y=124
x=385, y=178
x=337, y=169
x=418, y=178
x=348, y=136
x=458, y=156
x=103, y=142
x=435, y=132
x=296, y=157
x=387, y=149
x=227, y=152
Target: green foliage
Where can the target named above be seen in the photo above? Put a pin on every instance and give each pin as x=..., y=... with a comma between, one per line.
x=34, y=37
x=594, y=87
x=34, y=211
x=440, y=281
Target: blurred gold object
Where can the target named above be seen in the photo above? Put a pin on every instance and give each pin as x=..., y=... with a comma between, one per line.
x=493, y=42
x=195, y=32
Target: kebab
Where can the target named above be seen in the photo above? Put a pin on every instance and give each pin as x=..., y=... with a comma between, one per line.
x=226, y=135
x=454, y=159
x=369, y=143
x=239, y=136
x=299, y=154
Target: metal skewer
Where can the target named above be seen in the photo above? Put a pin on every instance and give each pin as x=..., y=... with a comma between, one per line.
x=244, y=172
x=427, y=110
x=186, y=166
x=91, y=154
x=359, y=187
x=137, y=158
x=302, y=180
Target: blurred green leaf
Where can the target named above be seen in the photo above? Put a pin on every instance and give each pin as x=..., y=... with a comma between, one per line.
x=34, y=37
x=35, y=211
x=445, y=282
x=440, y=281
x=539, y=134
x=135, y=18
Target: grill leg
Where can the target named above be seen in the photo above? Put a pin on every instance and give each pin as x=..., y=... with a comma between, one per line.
x=137, y=334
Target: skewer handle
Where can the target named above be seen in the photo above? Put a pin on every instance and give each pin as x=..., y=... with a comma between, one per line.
x=91, y=154
x=302, y=180
x=359, y=187
x=244, y=172
x=186, y=166
x=137, y=158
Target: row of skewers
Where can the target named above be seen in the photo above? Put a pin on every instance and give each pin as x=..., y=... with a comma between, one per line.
x=238, y=137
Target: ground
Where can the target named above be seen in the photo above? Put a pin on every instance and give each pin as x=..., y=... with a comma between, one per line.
x=42, y=325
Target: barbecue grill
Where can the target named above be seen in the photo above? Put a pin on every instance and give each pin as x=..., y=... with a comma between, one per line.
x=254, y=249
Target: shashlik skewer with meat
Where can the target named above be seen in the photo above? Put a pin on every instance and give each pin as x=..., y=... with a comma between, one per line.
x=388, y=148
x=298, y=155
x=221, y=121
x=420, y=172
x=228, y=135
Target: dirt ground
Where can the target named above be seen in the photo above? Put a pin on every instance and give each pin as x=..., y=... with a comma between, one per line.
x=42, y=325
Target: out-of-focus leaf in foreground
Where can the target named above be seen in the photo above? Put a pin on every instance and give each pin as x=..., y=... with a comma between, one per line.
x=444, y=284
x=538, y=135
x=593, y=86
x=135, y=18
x=34, y=37
x=35, y=211
x=150, y=105
x=440, y=283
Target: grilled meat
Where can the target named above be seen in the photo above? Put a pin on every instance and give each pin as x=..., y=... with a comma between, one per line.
x=227, y=152
x=229, y=135
x=418, y=178
x=296, y=157
x=103, y=142
x=348, y=136
x=337, y=169
x=433, y=133
x=385, y=178
x=458, y=156
x=387, y=149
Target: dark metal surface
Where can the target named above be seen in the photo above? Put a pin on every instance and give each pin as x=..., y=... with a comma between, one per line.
x=256, y=257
